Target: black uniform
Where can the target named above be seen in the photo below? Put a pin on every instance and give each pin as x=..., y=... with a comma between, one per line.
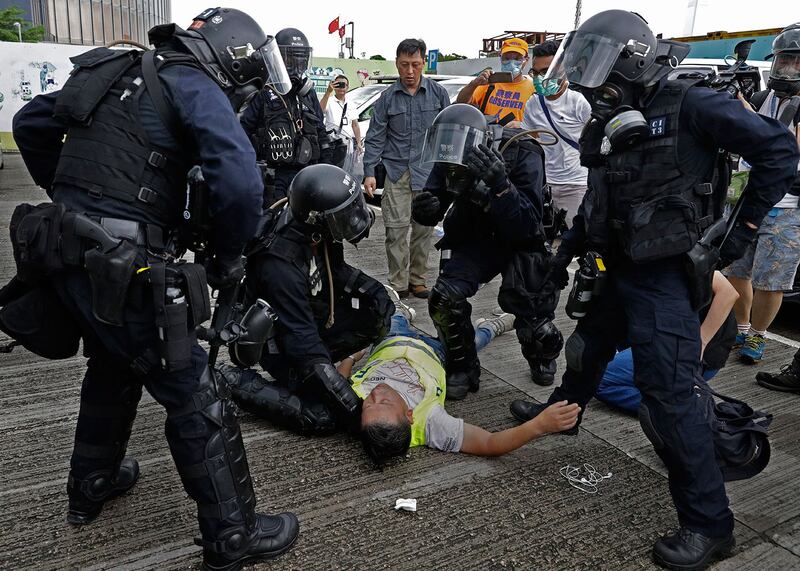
x=289, y=271
x=121, y=170
x=643, y=210
x=483, y=240
x=278, y=125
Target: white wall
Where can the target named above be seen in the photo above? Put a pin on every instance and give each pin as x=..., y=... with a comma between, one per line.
x=28, y=70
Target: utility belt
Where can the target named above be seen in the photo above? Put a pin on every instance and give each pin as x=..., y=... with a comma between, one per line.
x=664, y=226
x=47, y=239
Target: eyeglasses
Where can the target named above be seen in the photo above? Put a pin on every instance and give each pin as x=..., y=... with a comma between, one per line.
x=540, y=73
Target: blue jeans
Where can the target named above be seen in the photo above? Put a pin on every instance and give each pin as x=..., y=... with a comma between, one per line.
x=400, y=326
x=617, y=387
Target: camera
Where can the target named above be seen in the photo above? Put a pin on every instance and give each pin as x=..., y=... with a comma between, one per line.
x=339, y=84
x=739, y=77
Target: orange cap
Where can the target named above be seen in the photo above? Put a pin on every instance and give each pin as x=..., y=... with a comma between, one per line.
x=515, y=45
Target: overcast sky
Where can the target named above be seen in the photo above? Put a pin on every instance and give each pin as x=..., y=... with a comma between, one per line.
x=458, y=26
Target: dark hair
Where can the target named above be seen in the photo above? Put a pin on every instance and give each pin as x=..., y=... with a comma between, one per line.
x=548, y=48
x=411, y=46
x=384, y=440
x=338, y=77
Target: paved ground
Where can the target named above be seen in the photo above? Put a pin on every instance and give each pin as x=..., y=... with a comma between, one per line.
x=510, y=513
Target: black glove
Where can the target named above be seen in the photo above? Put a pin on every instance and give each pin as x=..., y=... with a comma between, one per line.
x=488, y=165
x=736, y=244
x=425, y=209
x=557, y=277
x=336, y=388
x=223, y=273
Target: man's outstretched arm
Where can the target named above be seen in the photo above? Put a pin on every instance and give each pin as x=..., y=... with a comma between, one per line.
x=555, y=418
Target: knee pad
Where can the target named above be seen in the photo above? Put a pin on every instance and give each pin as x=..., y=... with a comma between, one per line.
x=540, y=339
x=446, y=303
x=574, y=350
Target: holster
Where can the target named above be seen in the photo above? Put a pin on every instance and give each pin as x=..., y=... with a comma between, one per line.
x=700, y=263
x=178, y=315
x=110, y=274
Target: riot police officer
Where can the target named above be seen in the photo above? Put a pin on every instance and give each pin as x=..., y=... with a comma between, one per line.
x=651, y=148
x=288, y=130
x=325, y=308
x=112, y=149
x=494, y=226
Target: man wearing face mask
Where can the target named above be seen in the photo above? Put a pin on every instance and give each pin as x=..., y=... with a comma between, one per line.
x=649, y=200
x=325, y=308
x=112, y=150
x=288, y=130
x=500, y=99
x=495, y=226
x=556, y=108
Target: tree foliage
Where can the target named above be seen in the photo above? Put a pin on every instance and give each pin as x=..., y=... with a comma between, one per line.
x=378, y=57
x=8, y=31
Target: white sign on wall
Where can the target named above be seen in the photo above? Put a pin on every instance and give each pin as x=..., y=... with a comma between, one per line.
x=28, y=70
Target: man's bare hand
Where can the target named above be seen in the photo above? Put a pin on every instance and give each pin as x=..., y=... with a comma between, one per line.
x=483, y=77
x=370, y=183
x=559, y=416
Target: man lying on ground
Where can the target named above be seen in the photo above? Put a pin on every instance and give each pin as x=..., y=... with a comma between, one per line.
x=402, y=385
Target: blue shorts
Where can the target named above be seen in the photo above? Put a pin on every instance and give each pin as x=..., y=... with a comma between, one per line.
x=771, y=262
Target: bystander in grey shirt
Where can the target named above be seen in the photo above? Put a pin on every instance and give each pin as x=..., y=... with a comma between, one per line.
x=397, y=130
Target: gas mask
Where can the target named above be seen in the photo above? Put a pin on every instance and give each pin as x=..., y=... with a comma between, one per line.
x=512, y=66
x=302, y=85
x=613, y=105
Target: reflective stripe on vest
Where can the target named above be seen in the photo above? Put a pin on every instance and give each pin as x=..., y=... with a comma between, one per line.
x=427, y=365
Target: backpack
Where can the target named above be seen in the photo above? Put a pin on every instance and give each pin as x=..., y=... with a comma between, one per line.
x=741, y=442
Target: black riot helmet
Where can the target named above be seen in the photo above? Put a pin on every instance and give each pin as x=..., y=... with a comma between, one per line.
x=296, y=52
x=784, y=75
x=613, y=58
x=330, y=200
x=454, y=131
x=232, y=49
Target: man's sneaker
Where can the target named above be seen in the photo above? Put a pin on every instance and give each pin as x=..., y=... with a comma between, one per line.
x=691, y=550
x=753, y=349
x=503, y=323
x=524, y=411
x=787, y=381
x=740, y=339
x=408, y=312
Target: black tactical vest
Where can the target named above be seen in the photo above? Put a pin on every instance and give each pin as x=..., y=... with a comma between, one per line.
x=288, y=135
x=654, y=207
x=107, y=153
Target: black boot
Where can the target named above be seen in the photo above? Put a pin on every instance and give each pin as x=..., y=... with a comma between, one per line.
x=689, y=550
x=213, y=467
x=451, y=314
x=524, y=411
x=276, y=403
x=543, y=371
x=87, y=495
x=788, y=380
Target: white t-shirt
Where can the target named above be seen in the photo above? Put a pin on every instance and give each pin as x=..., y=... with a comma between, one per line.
x=570, y=113
x=442, y=431
x=772, y=107
x=333, y=116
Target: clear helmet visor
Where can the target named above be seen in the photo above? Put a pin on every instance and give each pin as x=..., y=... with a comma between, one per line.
x=450, y=143
x=584, y=59
x=786, y=66
x=277, y=75
x=297, y=59
x=350, y=221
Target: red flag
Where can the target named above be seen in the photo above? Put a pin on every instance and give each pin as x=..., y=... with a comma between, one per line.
x=334, y=25
x=341, y=31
